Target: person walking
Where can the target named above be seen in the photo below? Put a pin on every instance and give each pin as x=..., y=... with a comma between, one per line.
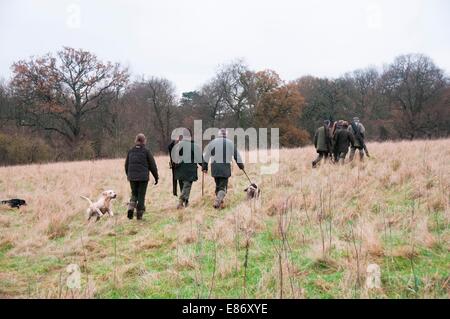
x=322, y=142
x=186, y=155
x=172, y=167
x=342, y=140
x=358, y=131
x=138, y=163
x=336, y=127
x=221, y=151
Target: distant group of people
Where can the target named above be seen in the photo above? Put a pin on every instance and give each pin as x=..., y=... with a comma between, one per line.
x=333, y=140
x=139, y=162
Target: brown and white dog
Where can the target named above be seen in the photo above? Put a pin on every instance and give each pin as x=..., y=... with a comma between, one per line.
x=101, y=206
x=252, y=191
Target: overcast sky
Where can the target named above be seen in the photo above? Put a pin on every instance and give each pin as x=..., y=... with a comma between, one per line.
x=185, y=41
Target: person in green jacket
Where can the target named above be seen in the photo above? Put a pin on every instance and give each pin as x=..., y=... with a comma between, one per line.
x=186, y=156
x=322, y=142
x=358, y=130
x=221, y=151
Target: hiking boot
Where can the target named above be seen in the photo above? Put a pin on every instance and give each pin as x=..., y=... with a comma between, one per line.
x=180, y=203
x=139, y=214
x=219, y=199
x=219, y=204
x=130, y=212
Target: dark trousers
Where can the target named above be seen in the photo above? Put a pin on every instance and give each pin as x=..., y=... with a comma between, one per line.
x=175, y=184
x=336, y=156
x=138, y=190
x=221, y=184
x=185, y=190
x=360, y=150
x=342, y=156
x=320, y=156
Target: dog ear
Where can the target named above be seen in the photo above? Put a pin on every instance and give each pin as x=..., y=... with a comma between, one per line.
x=245, y=189
x=105, y=193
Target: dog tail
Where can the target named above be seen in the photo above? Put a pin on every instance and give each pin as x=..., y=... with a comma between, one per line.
x=90, y=202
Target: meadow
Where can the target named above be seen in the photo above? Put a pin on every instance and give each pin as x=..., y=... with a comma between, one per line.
x=310, y=235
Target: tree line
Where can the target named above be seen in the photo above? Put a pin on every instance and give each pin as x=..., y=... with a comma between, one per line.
x=72, y=105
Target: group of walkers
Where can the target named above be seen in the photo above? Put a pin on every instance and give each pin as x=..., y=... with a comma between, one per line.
x=185, y=157
x=333, y=139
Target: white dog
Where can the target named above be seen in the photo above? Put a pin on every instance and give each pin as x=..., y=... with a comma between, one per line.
x=373, y=279
x=73, y=281
x=101, y=206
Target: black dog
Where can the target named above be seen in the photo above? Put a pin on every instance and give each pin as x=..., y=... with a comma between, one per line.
x=14, y=203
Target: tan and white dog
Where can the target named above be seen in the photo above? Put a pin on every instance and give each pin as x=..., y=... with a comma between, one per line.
x=101, y=206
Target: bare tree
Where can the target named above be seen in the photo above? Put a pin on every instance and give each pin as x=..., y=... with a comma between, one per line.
x=324, y=99
x=233, y=82
x=361, y=89
x=5, y=109
x=213, y=102
x=157, y=105
x=413, y=83
x=58, y=94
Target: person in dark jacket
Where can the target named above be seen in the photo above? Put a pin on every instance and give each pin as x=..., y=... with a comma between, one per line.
x=172, y=166
x=342, y=140
x=186, y=155
x=137, y=166
x=336, y=127
x=221, y=151
x=322, y=142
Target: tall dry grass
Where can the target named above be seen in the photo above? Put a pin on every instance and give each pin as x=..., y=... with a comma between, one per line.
x=341, y=218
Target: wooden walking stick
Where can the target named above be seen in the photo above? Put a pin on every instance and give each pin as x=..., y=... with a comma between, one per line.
x=203, y=182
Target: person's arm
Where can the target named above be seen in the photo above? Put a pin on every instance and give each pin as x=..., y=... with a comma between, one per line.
x=315, y=138
x=152, y=166
x=351, y=138
x=362, y=129
x=170, y=147
x=198, y=156
x=126, y=163
x=238, y=158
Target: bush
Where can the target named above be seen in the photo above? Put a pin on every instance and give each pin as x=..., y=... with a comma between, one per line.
x=83, y=150
x=15, y=149
x=292, y=136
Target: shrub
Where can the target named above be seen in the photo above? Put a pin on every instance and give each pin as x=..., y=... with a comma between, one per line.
x=15, y=149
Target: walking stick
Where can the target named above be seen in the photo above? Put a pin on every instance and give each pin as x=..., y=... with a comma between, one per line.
x=203, y=182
